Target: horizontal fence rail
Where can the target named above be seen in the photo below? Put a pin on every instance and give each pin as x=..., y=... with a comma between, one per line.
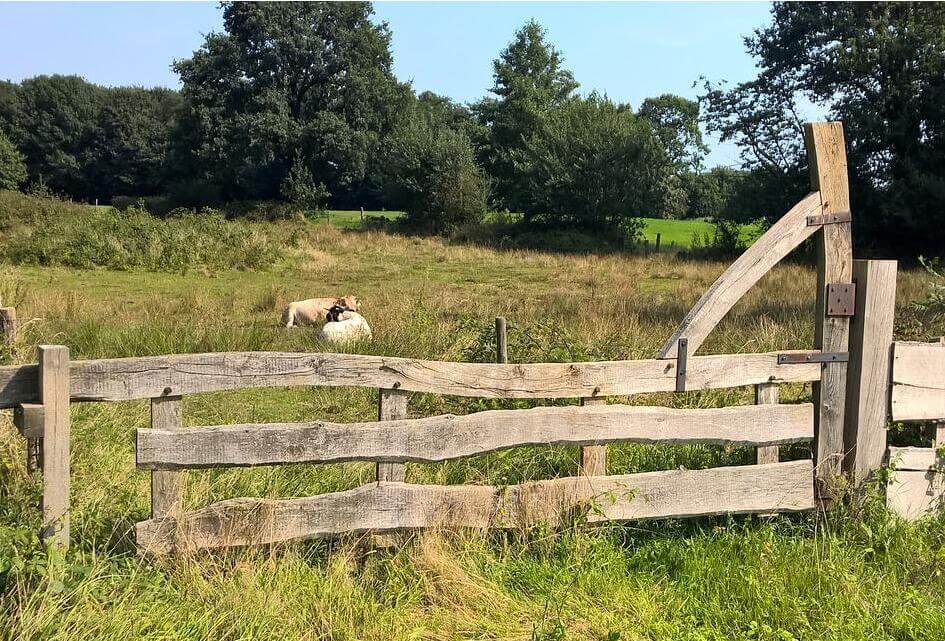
x=774, y=487
x=125, y=379
x=918, y=381
x=440, y=438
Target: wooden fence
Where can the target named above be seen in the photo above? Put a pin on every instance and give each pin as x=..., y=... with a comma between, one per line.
x=848, y=367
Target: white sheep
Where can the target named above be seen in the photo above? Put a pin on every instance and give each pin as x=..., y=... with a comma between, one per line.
x=344, y=326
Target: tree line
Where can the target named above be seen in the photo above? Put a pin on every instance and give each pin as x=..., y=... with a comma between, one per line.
x=298, y=103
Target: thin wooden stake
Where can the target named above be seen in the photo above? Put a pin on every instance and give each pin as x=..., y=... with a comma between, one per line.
x=828, y=173
x=7, y=325
x=391, y=405
x=167, y=488
x=54, y=394
x=767, y=394
x=501, y=341
x=657, y=244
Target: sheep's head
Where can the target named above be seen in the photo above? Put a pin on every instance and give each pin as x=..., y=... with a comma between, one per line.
x=334, y=313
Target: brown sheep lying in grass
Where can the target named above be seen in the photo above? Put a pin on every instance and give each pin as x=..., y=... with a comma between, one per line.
x=314, y=311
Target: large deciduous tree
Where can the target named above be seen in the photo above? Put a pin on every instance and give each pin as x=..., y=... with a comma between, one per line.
x=878, y=67
x=308, y=80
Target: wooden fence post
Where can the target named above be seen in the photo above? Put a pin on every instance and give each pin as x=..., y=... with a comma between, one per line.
x=7, y=325
x=657, y=244
x=868, y=381
x=391, y=405
x=54, y=394
x=767, y=394
x=594, y=457
x=167, y=487
x=501, y=341
x=828, y=175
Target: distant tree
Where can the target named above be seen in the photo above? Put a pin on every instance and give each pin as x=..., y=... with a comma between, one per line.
x=879, y=68
x=310, y=76
x=12, y=167
x=595, y=164
x=300, y=188
x=52, y=120
x=129, y=147
x=530, y=81
x=712, y=194
x=430, y=171
x=676, y=121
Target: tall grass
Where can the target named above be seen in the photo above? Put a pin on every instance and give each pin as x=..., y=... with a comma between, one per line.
x=851, y=574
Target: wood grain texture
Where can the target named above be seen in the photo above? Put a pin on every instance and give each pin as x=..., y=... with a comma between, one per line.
x=8, y=325
x=868, y=382
x=827, y=159
x=167, y=487
x=916, y=458
x=391, y=406
x=439, y=438
x=786, y=234
x=769, y=394
x=918, y=381
x=54, y=391
x=384, y=507
x=914, y=494
x=124, y=379
x=593, y=457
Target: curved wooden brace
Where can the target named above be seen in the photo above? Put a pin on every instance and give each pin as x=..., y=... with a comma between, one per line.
x=786, y=234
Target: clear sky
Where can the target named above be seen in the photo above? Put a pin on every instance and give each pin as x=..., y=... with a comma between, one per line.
x=627, y=50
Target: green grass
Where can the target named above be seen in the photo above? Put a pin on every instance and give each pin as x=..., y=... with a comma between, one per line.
x=854, y=573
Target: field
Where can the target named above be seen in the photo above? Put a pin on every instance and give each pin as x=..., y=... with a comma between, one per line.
x=677, y=234
x=853, y=573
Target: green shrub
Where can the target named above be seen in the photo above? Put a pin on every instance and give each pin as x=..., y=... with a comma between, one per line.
x=62, y=233
x=12, y=165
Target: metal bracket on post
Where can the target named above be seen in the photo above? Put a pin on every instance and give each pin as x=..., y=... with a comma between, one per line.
x=681, y=356
x=841, y=299
x=829, y=219
x=798, y=358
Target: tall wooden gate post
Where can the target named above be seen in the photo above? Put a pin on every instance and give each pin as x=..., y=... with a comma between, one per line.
x=54, y=394
x=868, y=381
x=828, y=175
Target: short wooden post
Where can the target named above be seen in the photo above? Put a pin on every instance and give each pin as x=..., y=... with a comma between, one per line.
x=767, y=394
x=7, y=325
x=167, y=486
x=871, y=338
x=657, y=243
x=594, y=457
x=362, y=215
x=828, y=175
x=391, y=405
x=54, y=394
x=501, y=341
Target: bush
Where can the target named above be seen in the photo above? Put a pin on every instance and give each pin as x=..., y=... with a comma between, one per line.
x=429, y=170
x=12, y=165
x=63, y=233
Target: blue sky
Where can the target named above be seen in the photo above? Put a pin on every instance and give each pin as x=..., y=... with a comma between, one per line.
x=627, y=50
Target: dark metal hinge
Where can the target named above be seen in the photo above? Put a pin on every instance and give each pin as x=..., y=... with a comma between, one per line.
x=829, y=219
x=682, y=348
x=797, y=358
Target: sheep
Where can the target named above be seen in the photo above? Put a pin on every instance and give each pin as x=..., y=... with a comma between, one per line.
x=344, y=326
x=312, y=310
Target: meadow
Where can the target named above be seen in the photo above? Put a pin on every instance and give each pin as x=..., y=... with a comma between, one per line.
x=851, y=573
